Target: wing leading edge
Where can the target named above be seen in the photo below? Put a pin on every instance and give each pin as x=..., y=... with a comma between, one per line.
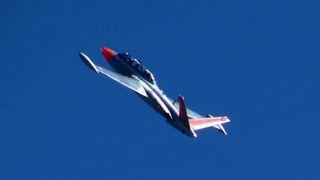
x=128, y=82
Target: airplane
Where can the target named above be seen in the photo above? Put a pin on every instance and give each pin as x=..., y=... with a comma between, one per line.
x=130, y=72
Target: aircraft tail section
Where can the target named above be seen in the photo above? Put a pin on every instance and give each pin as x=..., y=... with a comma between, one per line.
x=210, y=121
x=200, y=122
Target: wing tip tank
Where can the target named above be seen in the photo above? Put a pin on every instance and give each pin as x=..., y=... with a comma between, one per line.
x=87, y=61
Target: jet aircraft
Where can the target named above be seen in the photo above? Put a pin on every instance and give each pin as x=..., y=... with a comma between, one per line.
x=130, y=72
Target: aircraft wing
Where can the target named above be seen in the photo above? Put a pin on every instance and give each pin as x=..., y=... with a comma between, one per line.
x=128, y=82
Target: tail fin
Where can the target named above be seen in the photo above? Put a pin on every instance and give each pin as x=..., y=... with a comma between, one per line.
x=183, y=115
x=210, y=121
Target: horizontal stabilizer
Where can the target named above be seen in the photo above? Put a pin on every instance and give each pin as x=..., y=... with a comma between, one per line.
x=221, y=129
x=216, y=122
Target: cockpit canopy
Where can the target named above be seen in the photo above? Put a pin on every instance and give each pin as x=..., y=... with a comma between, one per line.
x=137, y=66
x=124, y=56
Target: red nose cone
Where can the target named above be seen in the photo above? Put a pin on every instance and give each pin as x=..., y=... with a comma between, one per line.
x=108, y=53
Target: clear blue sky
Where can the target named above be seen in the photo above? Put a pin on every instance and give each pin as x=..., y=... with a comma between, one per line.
x=256, y=62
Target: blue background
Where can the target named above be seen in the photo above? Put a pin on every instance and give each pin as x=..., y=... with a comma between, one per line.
x=254, y=61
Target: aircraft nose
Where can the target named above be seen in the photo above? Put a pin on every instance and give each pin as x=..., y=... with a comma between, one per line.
x=107, y=53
